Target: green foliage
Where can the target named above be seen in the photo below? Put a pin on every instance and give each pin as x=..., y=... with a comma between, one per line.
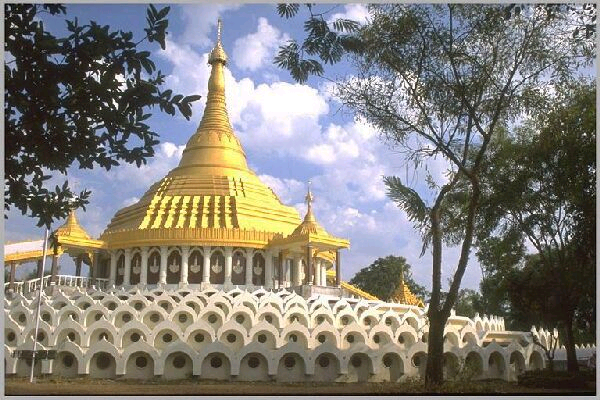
x=326, y=43
x=445, y=80
x=541, y=188
x=82, y=99
x=468, y=303
x=383, y=276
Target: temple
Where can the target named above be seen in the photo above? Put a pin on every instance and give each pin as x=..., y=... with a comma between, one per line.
x=210, y=276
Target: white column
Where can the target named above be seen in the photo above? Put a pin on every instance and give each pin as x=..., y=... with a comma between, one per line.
x=323, y=273
x=162, y=275
x=144, y=267
x=269, y=269
x=249, y=267
x=127, y=273
x=298, y=271
x=228, y=264
x=288, y=272
x=318, y=272
x=206, y=265
x=185, y=254
x=113, y=268
x=95, y=264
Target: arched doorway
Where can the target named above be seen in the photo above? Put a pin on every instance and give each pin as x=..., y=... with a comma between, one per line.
x=258, y=270
x=291, y=368
x=139, y=366
x=153, y=267
x=173, y=267
x=360, y=367
x=136, y=269
x=195, y=267
x=217, y=268
x=253, y=368
x=238, y=268
x=327, y=368
x=394, y=367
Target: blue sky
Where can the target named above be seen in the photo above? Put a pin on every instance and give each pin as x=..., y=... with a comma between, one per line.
x=291, y=133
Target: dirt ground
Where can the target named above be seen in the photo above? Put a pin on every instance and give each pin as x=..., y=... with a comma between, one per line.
x=86, y=386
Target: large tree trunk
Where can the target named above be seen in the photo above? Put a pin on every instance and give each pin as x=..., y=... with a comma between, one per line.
x=572, y=365
x=434, y=372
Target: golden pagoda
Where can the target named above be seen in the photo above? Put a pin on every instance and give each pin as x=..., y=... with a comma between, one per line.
x=211, y=197
x=403, y=295
x=210, y=221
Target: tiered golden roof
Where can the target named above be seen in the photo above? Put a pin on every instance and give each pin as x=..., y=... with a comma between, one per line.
x=311, y=232
x=72, y=228
x=211, y=197
x=403, y=295
x=73, y=235
x=350, y=288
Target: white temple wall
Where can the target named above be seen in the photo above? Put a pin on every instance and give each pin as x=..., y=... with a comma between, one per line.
x=238, y=335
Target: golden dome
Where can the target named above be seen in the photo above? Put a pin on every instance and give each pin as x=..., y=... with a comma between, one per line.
x=211, y=197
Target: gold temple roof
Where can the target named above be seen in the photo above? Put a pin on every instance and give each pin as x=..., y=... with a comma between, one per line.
x=403, y=295
x=350, y=288
x=310, y=231
x=72, y=228
x=211, y=197
x=72, y=235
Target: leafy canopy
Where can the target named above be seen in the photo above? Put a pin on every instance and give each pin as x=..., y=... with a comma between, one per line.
x=77, y=100
x=540, y=189
x=382, y=277
x=444, y=80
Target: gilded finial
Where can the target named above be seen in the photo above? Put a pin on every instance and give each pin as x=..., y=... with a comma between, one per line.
x=219, y=26
x=218, y=53
x=309, y=197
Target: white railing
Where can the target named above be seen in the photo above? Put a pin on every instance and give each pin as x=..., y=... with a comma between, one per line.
x=61, y=280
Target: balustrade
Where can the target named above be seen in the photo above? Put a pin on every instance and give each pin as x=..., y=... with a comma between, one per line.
x=61, y=280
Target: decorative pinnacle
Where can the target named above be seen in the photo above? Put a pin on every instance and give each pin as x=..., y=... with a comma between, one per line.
x=309, y=196
x=219, y=26
x=218, y=54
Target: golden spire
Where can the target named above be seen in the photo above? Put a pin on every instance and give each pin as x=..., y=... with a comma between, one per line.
x=310, y=224
x=214, y=144
x=403, y=295
x=309, y=199
x=218, y=53
x=72, y=228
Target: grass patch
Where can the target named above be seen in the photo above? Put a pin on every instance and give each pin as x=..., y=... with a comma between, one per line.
x=556, y=379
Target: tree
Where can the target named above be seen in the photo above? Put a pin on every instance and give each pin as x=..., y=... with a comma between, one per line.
x=468, y=302
x=440, y=81
x=78, y=100
x=382, y=277
x=543, y=191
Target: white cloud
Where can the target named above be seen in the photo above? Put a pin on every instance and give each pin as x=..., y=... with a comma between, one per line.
x=321, y=154
x=200, y=20
x=130, y=201
x=253, y=51
x=166, y=158
x=285, y=189
x=354, y=12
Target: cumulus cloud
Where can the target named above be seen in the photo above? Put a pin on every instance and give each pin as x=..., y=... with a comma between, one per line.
x=253, y=51
x=286, y=189
x=166, y=158
x=200, y=20
x=354, y=12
